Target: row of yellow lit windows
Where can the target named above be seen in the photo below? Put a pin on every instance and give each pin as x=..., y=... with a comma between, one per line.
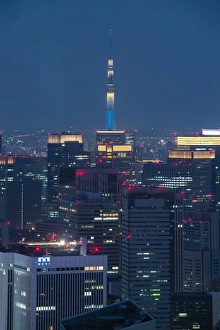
x=94, y=268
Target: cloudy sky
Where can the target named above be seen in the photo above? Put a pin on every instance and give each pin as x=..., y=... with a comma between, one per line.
x=53, y=56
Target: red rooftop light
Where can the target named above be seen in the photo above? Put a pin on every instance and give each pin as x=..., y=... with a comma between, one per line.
x=37, y=249
x=80, y=172
x=95, y=250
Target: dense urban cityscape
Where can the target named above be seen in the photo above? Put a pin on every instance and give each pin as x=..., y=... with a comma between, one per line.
x=111, y=227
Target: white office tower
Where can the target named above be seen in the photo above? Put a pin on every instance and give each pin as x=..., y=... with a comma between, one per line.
x=36, y=292
x=147, y=219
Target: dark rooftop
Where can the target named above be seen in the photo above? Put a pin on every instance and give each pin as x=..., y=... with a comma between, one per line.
x=116, y=316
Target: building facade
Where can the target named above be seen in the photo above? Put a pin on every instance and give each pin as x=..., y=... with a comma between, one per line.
x=203, y=153
x=97, y=219
x=14, y=168
x=106, y=181
x=147, y=220
x=23, y=203
x=195, y=310
x=64, y=150
x=38, y=291
x=201, y=253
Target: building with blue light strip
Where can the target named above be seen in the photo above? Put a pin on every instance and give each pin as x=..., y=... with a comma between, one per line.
x=110, y=92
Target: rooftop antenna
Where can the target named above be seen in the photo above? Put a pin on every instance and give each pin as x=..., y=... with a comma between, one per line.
x=110, y=41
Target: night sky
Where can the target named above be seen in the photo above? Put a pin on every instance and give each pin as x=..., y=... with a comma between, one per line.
x=53, y=56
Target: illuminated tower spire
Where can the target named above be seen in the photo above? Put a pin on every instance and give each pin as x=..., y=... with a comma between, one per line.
x=110, y=90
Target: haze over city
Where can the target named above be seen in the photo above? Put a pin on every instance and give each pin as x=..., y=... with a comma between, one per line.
x=109, y=164
x=53, y=61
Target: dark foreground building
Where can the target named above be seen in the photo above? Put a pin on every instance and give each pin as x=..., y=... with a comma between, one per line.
x=124, y=314
x=194, y=310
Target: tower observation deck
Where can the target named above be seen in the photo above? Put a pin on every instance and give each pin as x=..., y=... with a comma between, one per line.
x=110, y=91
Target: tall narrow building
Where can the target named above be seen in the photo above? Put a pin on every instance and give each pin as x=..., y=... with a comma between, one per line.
x=115, y=148
x=201, y=253
x=64, y=150
x=151, y=250
x=110, y=92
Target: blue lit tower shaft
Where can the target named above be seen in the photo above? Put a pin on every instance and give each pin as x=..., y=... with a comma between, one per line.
x=110, y=93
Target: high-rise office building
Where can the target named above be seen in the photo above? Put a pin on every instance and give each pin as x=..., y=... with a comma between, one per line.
x=34, y=168
x=202, y=164
x=196, y=158
x=64, y=150
x=189, y=171
x=106, y=181
x=113, y=152
x=23, y=203
x=104, y=137
x=119, y=157
x=195, y=310
x=148, y=250
x=192, y=166
x=23, y=192
x=37, y=290
x=176, y=177
x=204, y=151
x=97, y=219
x=15, y=168
x=201, y=230
x=67, y=182
x=201, y=253
x=131, y=137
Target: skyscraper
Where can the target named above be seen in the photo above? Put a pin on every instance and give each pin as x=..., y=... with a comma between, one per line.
x=176, y=176
x=23, y=203
x=104, y=137
x=96, y=218
x=106, y=181
x=64, y=150
x=148, y=216
x=110, y=91
x=195, y=311
x=202, y=162
x=37, y=289
x=120, y=157
x=201, y=254
x=202, y=152
x=14, y=170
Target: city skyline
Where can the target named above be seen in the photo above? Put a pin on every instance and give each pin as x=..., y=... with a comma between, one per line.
x=54, y=56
